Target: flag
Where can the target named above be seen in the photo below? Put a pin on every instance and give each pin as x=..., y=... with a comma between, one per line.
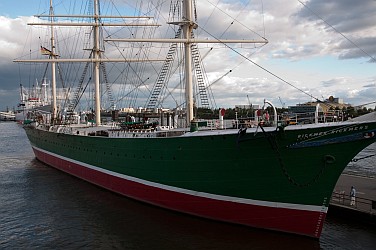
x=45, y=51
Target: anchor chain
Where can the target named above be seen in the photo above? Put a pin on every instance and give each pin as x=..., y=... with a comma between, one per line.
x=241, y=133
x=271, y=137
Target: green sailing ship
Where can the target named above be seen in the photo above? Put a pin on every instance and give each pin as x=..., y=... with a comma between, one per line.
x=274, y=177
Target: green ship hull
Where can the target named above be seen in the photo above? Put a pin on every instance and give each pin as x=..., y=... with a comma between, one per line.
x=280, y=179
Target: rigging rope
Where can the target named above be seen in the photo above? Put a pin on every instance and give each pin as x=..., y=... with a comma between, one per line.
x=361, y=158
x=209, y=16
x=215, y=6
x=331, y=26
x=263, y=68
x=235, y=19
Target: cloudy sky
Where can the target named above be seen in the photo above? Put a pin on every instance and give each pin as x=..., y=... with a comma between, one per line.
x=324, y=48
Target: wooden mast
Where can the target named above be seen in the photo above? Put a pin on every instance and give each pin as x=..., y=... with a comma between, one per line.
x=53, y=67
x=187, y=31
x=96, y=52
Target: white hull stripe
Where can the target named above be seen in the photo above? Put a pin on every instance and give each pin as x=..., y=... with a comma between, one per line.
x=192, y=192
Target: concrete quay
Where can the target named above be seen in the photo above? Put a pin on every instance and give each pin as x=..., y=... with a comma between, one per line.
x=365, y=207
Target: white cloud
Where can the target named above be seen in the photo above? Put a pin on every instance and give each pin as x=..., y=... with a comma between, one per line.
x=295, y=36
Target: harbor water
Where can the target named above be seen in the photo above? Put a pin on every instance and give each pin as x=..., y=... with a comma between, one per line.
x=43, y=208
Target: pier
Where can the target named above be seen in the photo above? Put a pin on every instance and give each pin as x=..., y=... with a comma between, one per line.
x=365, y=206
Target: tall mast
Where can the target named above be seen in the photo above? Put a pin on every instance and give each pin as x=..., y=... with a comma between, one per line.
x=96, y=51
x=187, y=31
x=53, y=66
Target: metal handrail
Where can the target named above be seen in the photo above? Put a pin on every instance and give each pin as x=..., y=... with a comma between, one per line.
x=361, y=204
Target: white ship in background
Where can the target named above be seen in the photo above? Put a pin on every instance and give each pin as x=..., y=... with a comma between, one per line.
x=32, y=99
x=7, y=115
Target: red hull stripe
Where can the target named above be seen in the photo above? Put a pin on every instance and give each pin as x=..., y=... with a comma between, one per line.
x=300, y=219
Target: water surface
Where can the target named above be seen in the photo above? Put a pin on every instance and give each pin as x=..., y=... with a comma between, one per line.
x=43, y=208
